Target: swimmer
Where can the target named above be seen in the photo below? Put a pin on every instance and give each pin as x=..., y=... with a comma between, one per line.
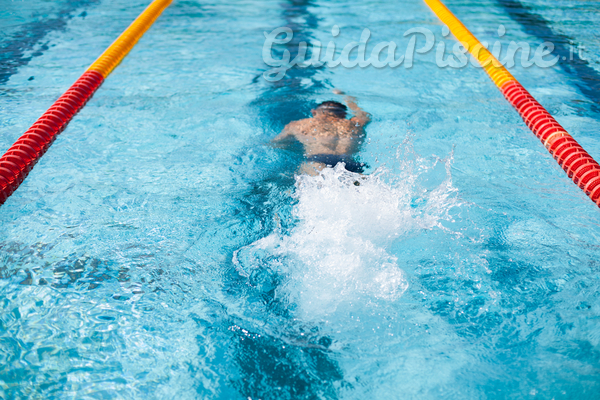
x=328, y=137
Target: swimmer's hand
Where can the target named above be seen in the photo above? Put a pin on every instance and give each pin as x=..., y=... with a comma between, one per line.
x=338, y=91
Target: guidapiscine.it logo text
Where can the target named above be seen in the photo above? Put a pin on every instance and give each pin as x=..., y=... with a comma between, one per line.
x=386, y=54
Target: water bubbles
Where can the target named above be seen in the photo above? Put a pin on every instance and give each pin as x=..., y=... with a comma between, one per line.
x=338, y=256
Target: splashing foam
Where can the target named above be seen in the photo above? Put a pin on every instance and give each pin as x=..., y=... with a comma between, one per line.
x=337, y=254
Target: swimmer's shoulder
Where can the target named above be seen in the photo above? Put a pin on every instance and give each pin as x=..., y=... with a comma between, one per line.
x=351, y=127
x=291, y=130
x=300, y=127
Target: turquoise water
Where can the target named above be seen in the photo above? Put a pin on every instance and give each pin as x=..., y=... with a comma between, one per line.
x=163, y=249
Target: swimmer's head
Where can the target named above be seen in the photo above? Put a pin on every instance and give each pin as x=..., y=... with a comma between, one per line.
x=332, y=108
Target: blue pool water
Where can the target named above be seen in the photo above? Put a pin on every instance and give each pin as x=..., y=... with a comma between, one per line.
x=163, y=249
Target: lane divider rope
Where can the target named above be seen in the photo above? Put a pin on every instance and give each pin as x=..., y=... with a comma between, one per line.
x=577, y=163
x=20, y=158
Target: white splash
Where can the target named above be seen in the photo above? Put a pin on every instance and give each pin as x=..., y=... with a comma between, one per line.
x=337, y=255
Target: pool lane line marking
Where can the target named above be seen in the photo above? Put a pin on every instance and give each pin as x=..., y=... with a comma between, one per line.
x=20, y=158
x=574, y=160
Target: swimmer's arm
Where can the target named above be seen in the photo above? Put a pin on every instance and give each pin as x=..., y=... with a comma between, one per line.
x=361, y=117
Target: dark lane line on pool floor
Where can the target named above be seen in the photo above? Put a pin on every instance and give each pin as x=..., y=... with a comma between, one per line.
x=13, y=54
x=299, y=370
x=536, y=25
x=287, y=99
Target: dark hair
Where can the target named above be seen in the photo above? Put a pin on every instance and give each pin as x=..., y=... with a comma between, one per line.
x=333, y=107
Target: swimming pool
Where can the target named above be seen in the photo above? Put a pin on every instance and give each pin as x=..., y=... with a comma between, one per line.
x=163, y=249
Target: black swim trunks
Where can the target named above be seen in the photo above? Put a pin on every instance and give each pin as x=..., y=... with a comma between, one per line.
x=331, y=160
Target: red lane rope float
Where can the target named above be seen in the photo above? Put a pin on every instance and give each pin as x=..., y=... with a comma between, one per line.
x=574, y=160
x=16, y=163
x=20, y=158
